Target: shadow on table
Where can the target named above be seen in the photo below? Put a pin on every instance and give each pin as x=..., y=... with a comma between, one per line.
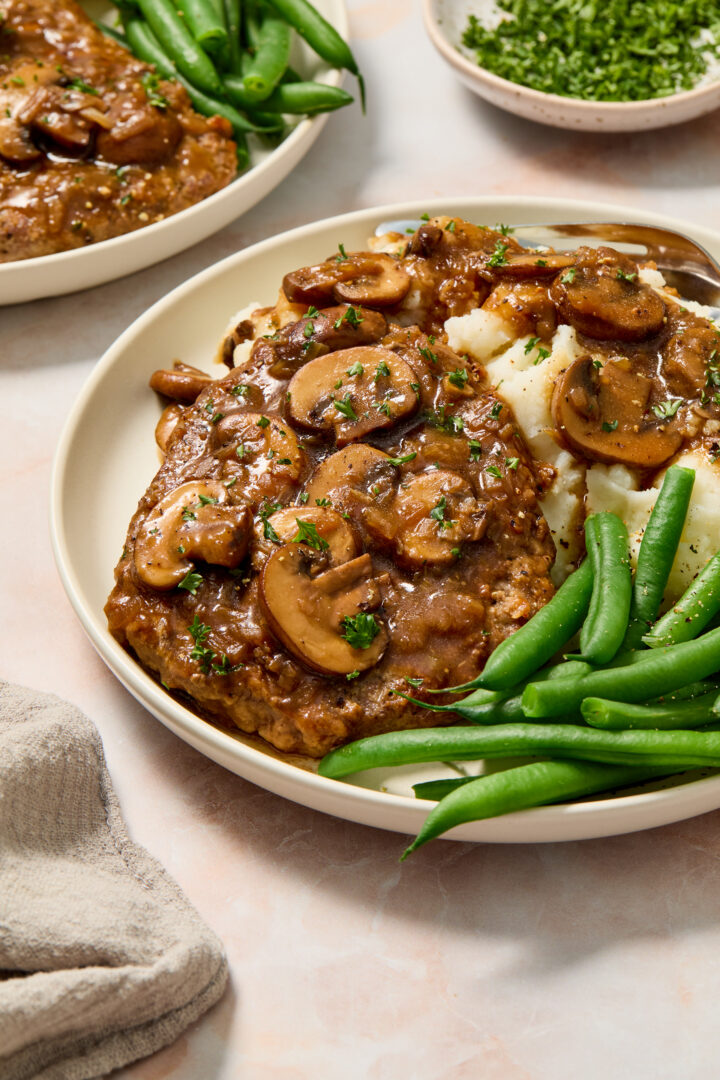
x=557, y=903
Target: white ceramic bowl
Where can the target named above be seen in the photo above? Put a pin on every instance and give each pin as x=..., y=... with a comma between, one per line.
x=445, y=21
x=83, y=268
x=108, y=449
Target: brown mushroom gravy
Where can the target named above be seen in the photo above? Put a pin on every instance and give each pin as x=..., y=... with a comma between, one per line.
x=351, y=513
x=92, y=143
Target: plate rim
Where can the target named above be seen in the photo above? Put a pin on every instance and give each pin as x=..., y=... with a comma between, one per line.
x=365, y=805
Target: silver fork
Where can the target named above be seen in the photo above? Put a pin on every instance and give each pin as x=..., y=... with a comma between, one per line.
x=685, y=265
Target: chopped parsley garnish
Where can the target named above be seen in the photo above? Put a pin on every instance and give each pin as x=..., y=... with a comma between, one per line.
x=403, y=460
x=352, y=317
x=192, y=582
x=450, y=227
x=428, y=354
x=530, y=345
x=667, y=409
x=382, y=406
x=475, y=449
x=187, y=514
x=622, y=275
x=609, y=425
x=496, y=410
x=356, y=369
x=381, y=370
x=569, y=276
x=438, y=514
x=459, y=378
x=264, y=513
x=413, y=682
x=240, y=450
x=360, y=630
x=498, y=257
x=240, y=390
x=323, y=502
x=201, y=652
x=342, y=254
x=542, y=354
x=345, y=407
x=303, y=498
x=416, y=387
x=352, y=675
x=494, y=471
x=225, y=667
x=512, y=462
x=151, y=83
x=307, y=534
x=207, y=500
x=82, y=86
x=263, y=422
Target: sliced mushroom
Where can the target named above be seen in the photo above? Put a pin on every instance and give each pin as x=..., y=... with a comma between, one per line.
x=601, y=297
x=432, y=515
x=353, y=392
x=534, y=264
x=254, y=440
x=331, y=529
x=181, y=382
x=363, y=277
x=308, y=613
x=602, y=412
x=525, y=304
x=167, y=424
x=195, y=521
x=341, y=327
x=355, y=468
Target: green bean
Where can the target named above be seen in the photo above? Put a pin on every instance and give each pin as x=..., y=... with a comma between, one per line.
x=320, y=36
x=146, y=46
x=673, y=716
x=539, y=639
x=658, y=548
x=525, y=786
x=261, y=72
x=481, y=707
x=656, y=672
x=233, y=19
x=604, y=628
x=696, y=607
x=675, y=748
x=204, y=23
x=438, y=789
x=297, y=98
x=180, y=46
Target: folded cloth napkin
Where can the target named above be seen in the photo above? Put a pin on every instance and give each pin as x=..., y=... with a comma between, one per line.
x=102, y=958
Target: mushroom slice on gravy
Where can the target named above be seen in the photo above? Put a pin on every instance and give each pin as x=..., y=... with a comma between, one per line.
x=603, y=412
x=318, y=617
x=601, y=297
x=353, y=391
x=335, y=538
x=370, y=278
x=195, y=521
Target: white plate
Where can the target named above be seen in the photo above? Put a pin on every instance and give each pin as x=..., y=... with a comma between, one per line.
x=445, y=21
x=107, y=456
x=68, y=271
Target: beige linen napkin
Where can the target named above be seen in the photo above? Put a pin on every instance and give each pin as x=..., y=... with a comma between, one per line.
x=102, y=959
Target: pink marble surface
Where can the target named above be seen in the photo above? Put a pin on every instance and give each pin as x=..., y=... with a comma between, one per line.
x=590, y=960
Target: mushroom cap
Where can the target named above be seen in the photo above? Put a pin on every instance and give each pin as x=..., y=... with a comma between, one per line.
x=307, y=613
x=329, y=525
x=534, y=264
x=166, y=425
x=603, y=414
x=370, y=278
x=601, y=297
x=326, y=395
x=194, y=521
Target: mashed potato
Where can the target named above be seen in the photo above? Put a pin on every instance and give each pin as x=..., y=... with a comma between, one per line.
x=526, y=379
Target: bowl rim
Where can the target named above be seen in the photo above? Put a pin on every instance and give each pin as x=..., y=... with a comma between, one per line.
x=581, y=105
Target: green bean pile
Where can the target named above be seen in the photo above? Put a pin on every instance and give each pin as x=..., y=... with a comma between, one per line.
x=233, y=58
x=638, y=702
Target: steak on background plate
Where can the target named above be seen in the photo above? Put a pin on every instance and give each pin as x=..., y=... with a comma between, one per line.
x=92, y=143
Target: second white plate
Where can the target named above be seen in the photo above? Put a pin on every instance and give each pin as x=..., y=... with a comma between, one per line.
x=107, y=457
x=83, y=268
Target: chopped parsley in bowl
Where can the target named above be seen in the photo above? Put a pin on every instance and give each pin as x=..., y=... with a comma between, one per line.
x=586, y=65
x=617, y=50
